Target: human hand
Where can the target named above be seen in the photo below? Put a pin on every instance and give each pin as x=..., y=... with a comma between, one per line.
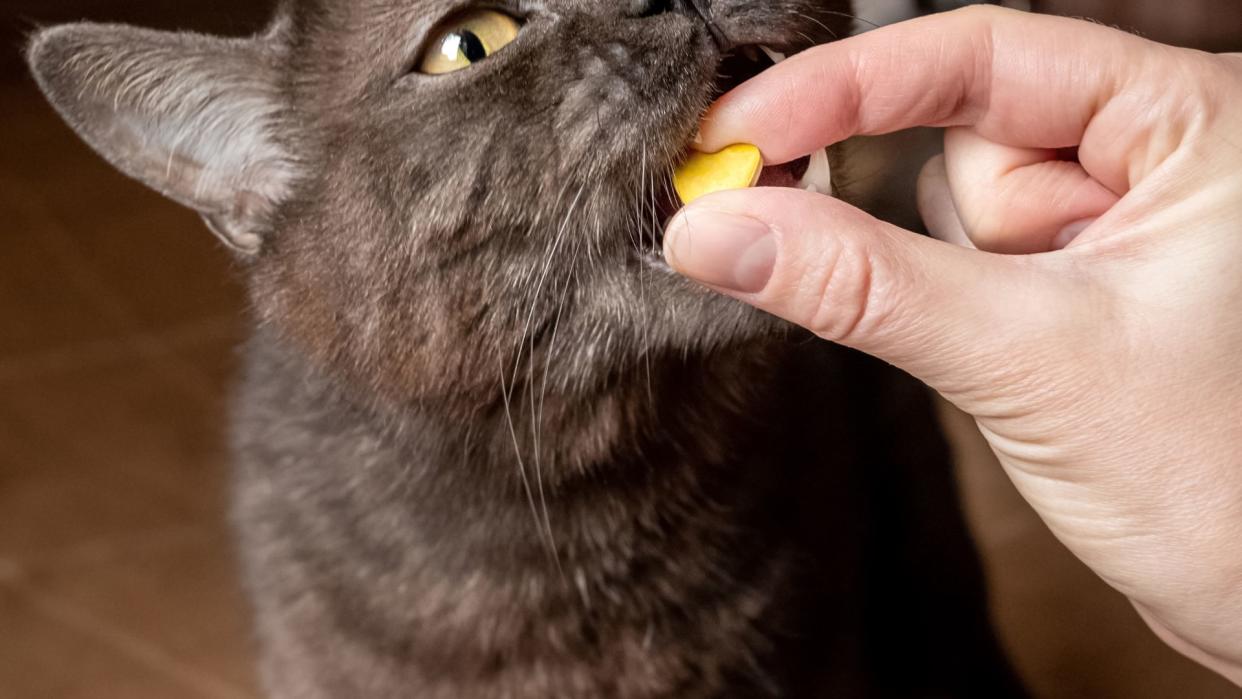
x=1087, y=312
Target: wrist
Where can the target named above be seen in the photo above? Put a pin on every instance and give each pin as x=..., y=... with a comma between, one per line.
x=1227, y=665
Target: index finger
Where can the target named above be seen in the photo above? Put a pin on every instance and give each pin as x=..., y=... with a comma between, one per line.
x=1021, y=79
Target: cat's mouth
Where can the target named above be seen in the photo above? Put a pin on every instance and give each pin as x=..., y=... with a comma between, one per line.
x=812, y=173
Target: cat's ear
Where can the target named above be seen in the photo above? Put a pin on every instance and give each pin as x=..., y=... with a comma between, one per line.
x=197, y=118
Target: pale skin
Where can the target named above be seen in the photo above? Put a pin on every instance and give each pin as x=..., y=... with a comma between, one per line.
x=1087, y=312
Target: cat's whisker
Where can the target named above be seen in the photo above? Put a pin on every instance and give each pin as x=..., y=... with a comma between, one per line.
x=538, y=409
x=649, y=202
x=536, y=427
x=517, y=362
x=837, y=13
x=821, y=25
x=535, y=298
x=506, y=393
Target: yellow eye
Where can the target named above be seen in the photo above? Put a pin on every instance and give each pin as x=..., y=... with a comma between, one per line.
x=467, y=39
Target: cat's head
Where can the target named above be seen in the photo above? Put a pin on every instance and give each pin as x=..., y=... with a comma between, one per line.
x=431, y=196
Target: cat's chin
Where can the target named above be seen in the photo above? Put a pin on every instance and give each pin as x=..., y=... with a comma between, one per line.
x=685, y=316
x=654, y=261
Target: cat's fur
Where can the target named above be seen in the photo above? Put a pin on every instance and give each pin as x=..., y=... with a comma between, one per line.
x=487, y=446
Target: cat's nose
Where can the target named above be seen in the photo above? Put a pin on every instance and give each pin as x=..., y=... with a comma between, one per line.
x=694, y=8
x=650, y=8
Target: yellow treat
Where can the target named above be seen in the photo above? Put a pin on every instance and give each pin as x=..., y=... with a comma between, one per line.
x=736, y=167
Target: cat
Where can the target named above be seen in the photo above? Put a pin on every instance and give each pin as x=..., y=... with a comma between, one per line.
x=487, y=444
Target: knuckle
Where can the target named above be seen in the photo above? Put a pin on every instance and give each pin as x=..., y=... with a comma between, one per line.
x=1001, y=215
x=849, y=300
x=983, y=13
x=983, y=219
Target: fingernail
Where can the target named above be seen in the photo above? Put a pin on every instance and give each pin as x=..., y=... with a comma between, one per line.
x=728, y=251
x=1070, y=232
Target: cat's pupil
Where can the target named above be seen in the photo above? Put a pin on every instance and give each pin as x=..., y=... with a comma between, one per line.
x=470, y=45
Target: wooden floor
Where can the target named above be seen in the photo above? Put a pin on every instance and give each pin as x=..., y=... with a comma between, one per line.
x=117, y=320
x=118, y=315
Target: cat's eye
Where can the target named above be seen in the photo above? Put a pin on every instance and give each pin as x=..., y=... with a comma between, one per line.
x=467, y=39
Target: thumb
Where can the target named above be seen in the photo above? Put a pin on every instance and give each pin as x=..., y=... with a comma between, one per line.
x=952, y=316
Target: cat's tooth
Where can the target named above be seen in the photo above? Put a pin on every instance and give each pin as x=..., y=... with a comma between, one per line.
x=776, y=56
x=818, y=173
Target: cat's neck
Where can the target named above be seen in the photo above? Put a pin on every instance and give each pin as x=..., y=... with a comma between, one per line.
x=668, y=503
x=587, y=483
x=671, y=437
x=671, y=406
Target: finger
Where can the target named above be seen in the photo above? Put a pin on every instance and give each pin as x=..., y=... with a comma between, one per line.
x=1018, y=200
x=948, y=315
x=1021, y=79
x=936, y=205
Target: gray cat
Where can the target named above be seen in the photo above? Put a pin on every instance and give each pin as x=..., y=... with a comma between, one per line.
x=488, y=445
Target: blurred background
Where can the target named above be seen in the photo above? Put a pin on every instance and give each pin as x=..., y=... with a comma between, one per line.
x=118, y=318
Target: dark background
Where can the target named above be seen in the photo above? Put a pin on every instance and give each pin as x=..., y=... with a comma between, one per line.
x=118, y=315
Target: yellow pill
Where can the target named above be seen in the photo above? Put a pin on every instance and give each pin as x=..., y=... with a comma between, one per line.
x=736, y=167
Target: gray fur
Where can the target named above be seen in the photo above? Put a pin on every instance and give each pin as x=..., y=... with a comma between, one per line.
x=488, y=446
